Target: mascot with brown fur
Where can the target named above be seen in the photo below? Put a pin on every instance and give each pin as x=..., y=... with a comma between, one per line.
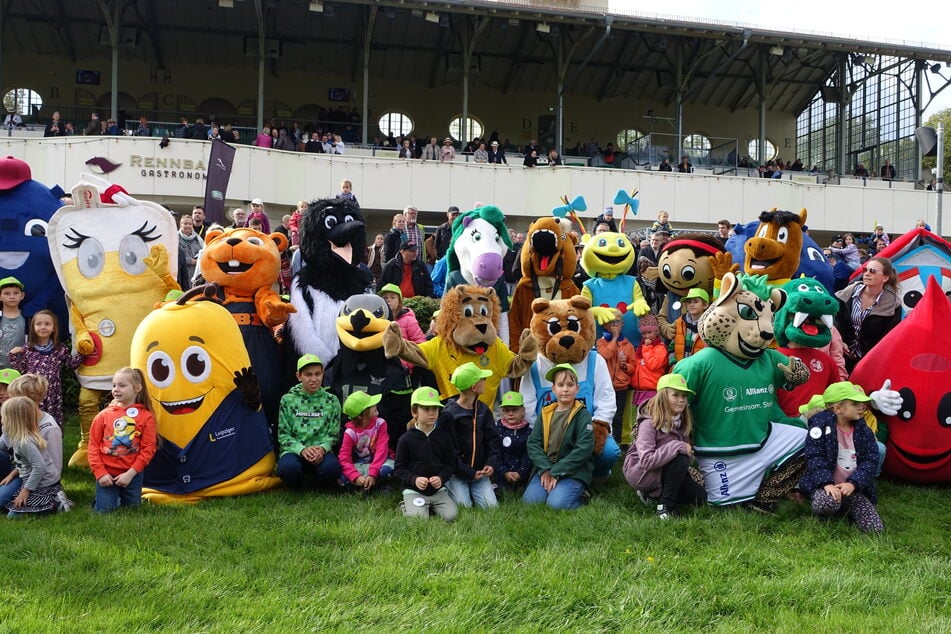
x=548, y=263
x=468, y=331
x=741, y=435
x=565, y=331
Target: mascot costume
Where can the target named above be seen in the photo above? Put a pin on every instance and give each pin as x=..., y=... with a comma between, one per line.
x=245, y=264
x=360, y=363
x=24, y=250
x=115, y=256
x=683, y=264
x=548, y=261
x=911, y=355
x=741, y=435
x=479, y=243
x=467, y=326
x=565, y=332
x=214, y=436
x=606, y=258
x=333, y=241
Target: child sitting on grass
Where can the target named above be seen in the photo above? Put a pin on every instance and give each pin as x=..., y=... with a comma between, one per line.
x=842, y=458
x=561, y=446
x=35, y=388
x=470, y=425
x=685, y=340
x=365, y=457
x=513, y=465
x=425, y=459
x=658, y=461
x=621, y=358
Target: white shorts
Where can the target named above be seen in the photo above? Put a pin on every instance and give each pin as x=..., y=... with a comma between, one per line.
x=735, y=479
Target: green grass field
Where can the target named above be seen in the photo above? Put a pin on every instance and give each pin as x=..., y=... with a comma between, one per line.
x=298, y=562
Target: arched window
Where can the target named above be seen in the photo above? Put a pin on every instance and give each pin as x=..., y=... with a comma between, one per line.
x=754, y=150
x=23, y=101
x=474, y=129
x=395, y=123
x=632, y=141
x=697, y=147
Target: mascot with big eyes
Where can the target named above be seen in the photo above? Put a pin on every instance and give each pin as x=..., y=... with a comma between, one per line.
x=114, y=256
x=333, y=241
x=206, y=401
x=683, y=264
x=606, y=258
x=548, y=260
x=24, y=250
x=468, y=332
x=741, y=436
x=565, y=331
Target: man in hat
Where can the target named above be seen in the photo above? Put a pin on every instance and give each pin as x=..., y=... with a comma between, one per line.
x=407, y=272
x=497, y=154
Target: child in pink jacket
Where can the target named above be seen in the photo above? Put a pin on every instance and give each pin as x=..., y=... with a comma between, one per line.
x=365, y=456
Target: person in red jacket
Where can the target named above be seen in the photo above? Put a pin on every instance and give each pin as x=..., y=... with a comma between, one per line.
x=621, y=358
x=651, y=360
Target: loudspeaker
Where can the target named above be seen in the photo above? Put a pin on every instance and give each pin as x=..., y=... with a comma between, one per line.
x=928, y=140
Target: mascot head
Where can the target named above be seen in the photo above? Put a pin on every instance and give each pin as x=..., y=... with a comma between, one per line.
x=607, y=254
x=775, y=249
x=469, y=317
x=242, y=258
x=549, y=250
x=913, y=356
x=812, y=262
x=480, y=240
x=564, y=328
x=361, y=322
x=684, y=263
x=806, y=317
x=740, y=321
x=333, y=240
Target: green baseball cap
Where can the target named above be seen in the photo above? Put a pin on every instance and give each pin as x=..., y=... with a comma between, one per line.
x=816, y=402
x=674, y=382
x=550, y=375
x=308, y=359
x=698, y=293
x=512, y=399
x=391, y=288
x=844, y=391
x=467, y=375
x=11, y=281
x=8, y=376
x=358, y=402
x=425, y=396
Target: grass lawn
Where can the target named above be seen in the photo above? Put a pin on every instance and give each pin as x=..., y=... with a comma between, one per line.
x=298, y=562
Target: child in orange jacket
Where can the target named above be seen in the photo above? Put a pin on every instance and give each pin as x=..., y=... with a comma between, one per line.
x=651, y=360
x=621, y=358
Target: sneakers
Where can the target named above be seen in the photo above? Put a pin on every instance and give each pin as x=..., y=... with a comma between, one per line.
x=645, y=499
x=665, y=513
x=63, y=503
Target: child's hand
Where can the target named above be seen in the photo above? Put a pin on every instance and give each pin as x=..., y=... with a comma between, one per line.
x=846, y=488
x=688, y=449
x=20, y=499
x=512, y=477
x=105, y=481
x=548, y=481
x=422, y=482
x=834, y=491
x=313, y=455
x=124, y=480
x=436, y=481
x=9, y=477
x=487, y=471
x=361, y=482
x=369, y=483
x=17, y=350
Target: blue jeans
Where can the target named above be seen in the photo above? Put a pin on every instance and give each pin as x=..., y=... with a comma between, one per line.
x=112, y=497
x=9, y=491
x=480, y=491
x=291, y=468
x=565, y=496
x=604, y=462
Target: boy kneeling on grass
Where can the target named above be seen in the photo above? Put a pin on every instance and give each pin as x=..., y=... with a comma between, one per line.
x=425, y=459
x=365, y=456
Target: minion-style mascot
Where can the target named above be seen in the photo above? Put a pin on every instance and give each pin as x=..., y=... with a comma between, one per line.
x=114, y=256
x=606, y=258
x=214, y=436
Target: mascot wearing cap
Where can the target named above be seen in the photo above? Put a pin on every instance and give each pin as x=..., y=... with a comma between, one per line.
x=468, y=332
x=741, y=435
x=114, y=256
x=683, y=264
x=214, y=436
x=606, y=258
x=24, y=251
x=548, y=260
x=565, y=331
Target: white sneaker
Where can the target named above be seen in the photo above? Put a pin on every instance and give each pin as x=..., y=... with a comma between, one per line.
x=64, y=504
x=645, y=499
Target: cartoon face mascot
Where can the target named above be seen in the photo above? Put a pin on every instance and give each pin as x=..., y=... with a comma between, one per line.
x=24, y=251
x=548, y=262
x=467, y=326
x=565, y=331
x=206, y=401
x=606, y=258
x=333, y=241
x=245, y=264
x=741, y=435
x=114, y=260
x=683, y=264
x=361, y=365
x=919, y=366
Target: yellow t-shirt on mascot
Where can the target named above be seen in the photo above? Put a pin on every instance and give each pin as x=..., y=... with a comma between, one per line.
x=197, y=371
x=445, y=356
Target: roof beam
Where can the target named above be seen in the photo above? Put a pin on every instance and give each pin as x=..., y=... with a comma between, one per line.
x=516, y=64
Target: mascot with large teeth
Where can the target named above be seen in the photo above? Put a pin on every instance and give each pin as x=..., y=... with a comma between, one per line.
x=741, y=435
x=333, y=241
x=215, y=440
x=114, y=256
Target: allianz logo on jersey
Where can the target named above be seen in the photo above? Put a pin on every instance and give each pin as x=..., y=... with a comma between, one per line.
x=731, y=393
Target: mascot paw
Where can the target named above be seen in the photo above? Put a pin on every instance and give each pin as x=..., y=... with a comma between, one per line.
x=602, y=314
x=391, y=340
x=796, y=373
x=640, y=307
x=157, y=262
x=722, y=263
x=601, y=432
x=886, y=400
x=84, y=343
x=278, y=310
x=528, y=346
x=247, y=383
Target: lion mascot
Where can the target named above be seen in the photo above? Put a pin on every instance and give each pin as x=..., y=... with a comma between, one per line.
x=206, y=401
x=741, y=435
x=565, y=332
x=467, y=326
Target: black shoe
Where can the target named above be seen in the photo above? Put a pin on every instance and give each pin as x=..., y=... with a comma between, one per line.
x=665, y=512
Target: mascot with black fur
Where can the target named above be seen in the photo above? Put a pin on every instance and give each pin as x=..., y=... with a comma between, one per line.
x=746, y=447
